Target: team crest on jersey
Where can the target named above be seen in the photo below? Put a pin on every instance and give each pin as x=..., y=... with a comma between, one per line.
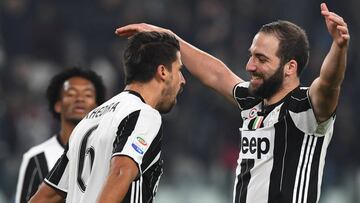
x=253, y=112
x=141, y=141
x=140, y=145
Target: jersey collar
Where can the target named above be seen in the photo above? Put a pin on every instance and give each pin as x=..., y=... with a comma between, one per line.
x=136, y=94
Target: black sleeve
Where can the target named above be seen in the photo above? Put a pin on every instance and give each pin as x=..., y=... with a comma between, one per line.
x=35, y=173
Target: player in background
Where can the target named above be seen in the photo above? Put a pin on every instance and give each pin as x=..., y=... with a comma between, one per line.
x=71, y=94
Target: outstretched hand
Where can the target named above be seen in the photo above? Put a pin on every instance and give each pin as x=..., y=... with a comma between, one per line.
x=336, y=26
x=131, y=29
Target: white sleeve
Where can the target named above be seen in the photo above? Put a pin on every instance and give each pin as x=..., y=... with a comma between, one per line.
x=137, y=134
x=58, y=177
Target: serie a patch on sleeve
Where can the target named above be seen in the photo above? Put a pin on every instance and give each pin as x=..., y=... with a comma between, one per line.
x=139, y=145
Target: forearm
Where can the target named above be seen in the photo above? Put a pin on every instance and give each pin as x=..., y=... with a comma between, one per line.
x=333, y=68
x=325, y=90
x=204, y=66
x=211, y=71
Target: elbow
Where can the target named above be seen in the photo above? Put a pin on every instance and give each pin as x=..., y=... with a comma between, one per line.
x=125, y=173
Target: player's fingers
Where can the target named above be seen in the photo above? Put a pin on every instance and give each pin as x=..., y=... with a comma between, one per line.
x=126, y=34
x=337, y=20
x=342, y=29
x=127, y=28
x=324, y=7
x=346, y=37
x=335, y=15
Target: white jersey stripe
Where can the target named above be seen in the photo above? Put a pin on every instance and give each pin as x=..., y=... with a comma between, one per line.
x=288, y=150
x=141, y=182
x=137, y=192
x=309, y=168
x=132, y=192
x=303, y=169
x=299, y=169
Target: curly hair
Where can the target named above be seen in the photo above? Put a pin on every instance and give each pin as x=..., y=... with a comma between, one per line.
x=53, y=92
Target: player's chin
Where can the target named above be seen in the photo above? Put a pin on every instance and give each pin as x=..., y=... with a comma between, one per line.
x=75, y=119
x=168, y=108
x=77, y=116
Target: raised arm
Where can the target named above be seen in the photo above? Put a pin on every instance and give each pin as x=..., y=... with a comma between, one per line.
x=325, y=90
x=209, y=70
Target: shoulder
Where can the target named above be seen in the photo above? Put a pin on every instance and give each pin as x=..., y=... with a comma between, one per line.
x=243, y=97
x=144, y=111
x=146, y=115
x=49, y=144
x=241, y=87
x=300, y=93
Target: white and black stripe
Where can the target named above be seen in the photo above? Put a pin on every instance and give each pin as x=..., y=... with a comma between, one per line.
x=35, y=166
x=298, y=147
x=132, y=129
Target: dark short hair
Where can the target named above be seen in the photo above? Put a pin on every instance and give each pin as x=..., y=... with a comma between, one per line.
x=53, y=92
x=145, y=52
x=293, y=42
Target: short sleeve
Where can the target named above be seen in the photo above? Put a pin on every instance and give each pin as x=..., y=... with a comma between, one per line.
x=242, y=96
x=136, y=133
x=303, y=115
x=58, y=177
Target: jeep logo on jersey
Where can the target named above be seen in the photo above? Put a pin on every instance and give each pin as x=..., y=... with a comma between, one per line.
x=255, y=145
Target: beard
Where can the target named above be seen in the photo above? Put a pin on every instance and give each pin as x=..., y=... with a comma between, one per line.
x=270, y=85
x=169, y=99
x=166, y=108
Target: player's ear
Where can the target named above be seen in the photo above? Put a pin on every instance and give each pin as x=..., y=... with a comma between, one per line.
x=162, y=72
x=290, y=68
x=57, y=107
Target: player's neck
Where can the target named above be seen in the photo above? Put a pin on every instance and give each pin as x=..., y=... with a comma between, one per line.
x=65, y=131
x=150, y=92
x=284, y=90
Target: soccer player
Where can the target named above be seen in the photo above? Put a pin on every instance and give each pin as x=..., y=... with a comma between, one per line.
x=71, y=94
x=113, y=154
x=285, y=128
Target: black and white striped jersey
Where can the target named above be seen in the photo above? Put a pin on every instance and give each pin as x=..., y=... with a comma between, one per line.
x=122, y=126
x=282, y=149
x=35, y=165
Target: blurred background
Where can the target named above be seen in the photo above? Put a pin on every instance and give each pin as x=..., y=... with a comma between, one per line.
x=38, y=38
